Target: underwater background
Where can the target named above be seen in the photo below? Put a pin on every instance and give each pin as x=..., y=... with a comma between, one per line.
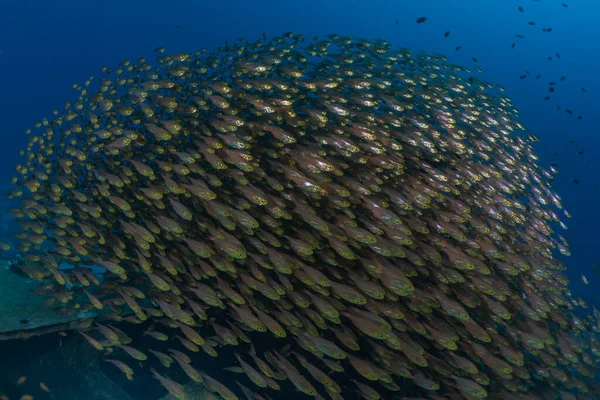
x=46, y=47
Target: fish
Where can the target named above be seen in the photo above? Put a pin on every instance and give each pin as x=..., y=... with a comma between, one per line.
x=164, y=359
x=253, y=374
x=190, y=371
x=44, y=387
x=215, y=386
x=96, y=344
x=122, y=366
x=138, y=355
x=383, y=209
x=175, y=389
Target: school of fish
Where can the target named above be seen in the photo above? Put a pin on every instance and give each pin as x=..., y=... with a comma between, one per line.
x=381, y=211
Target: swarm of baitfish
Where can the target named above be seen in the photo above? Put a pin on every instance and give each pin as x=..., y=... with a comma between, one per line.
x=380, y=211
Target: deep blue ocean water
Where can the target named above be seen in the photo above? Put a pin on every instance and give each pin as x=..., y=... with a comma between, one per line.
x=45, y=47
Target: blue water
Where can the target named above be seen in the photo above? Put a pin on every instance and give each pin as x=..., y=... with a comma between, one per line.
x=46, y=46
